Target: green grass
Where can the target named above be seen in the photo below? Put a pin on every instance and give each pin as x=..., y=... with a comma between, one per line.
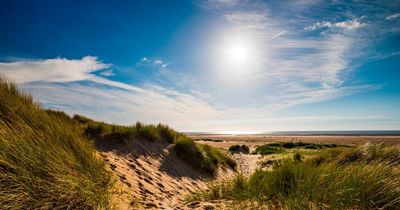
x=367, y=177
x=123, y=134
x=203, y=157
x=44, y=161
x=274, y=148
x=267, y=150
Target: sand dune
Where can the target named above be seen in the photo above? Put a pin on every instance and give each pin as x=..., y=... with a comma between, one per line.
x=150, y=176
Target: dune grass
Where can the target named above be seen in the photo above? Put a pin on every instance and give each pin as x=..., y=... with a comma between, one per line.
x=364, y=178
x=123, y=134
x=44, y=162
x=274, y=148
x=203, y=157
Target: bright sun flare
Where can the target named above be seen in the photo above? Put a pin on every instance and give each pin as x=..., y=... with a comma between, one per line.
x=238, y=53
x=238, y=57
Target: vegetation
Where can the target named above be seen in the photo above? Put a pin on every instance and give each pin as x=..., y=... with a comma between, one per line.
x=203, y=157
x=44, y=161
x=208, y=139
x=273, y=148
x=239, y=149
x=123, y=134
x=367, y=177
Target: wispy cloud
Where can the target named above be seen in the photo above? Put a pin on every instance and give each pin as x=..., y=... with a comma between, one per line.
x=145, y=61
x=392, y=17
x=349, y=25
x=52, y=70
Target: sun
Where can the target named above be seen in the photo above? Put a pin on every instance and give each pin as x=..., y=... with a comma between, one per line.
x=238, y=57
x=238, y=53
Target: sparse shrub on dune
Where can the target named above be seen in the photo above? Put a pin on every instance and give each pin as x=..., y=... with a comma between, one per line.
x=336, y=179
x=44, y=161
x=203, y=157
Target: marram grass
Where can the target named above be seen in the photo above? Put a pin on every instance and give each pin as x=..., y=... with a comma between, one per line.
x=44, y=162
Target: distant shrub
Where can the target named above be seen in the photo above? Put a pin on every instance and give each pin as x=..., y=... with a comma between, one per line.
x=273, y=148
x=267, y=150
x=239, y=149
x=208, y=139
x=203, y=157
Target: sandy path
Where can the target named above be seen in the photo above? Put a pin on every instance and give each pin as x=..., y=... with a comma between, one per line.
x=149, y=176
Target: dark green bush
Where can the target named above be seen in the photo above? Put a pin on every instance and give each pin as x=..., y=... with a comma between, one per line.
x=239, y=149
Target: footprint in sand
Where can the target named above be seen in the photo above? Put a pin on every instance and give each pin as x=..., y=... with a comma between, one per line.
x=132, y=165
x=149, y=177
x=160, y=185
x=113, y=167
x=148, y=192
x=122, y=177
x=151, y=205
x=147, y=180
x=140, y=185
x=128, y=184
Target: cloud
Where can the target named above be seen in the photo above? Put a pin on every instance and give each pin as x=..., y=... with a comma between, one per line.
x=107, y=73
x=145, y=61
x=52, y=70
x=158, y=62
x=349, y=25
x=392, y=17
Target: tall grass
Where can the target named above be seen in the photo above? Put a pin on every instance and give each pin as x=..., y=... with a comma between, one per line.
x=203, y=157
x=123, y=134
x=44, y=162
x=330, y=181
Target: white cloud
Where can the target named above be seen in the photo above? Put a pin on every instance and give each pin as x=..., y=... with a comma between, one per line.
x=52, y=70
x=144, y=60
x=392, y=17
x=349, y=25
x=158, y=62
x=107, y=73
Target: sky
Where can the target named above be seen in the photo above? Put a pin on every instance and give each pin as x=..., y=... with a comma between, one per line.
x=234, y=66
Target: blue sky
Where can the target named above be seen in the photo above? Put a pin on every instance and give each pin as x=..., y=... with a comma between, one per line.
x=216, y=65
